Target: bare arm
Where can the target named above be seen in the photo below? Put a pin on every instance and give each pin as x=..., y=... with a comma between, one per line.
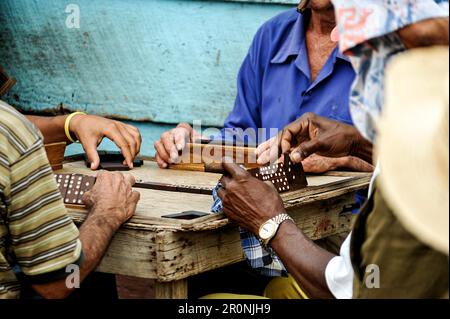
x=95, y=236
x=250, y=203
x=51, y=127
x=90, y=130
x=112, y=202
x=304, y=260
x=320, y=164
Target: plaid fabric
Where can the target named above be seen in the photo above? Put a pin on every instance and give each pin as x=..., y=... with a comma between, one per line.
x=263, y=259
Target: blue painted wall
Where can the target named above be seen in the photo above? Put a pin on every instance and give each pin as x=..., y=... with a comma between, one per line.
x=157, y=61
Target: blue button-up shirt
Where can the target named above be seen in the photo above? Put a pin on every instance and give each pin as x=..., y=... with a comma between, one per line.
x=274, y=85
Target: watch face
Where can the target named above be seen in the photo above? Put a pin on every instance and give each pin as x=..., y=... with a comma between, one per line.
x=267, y=230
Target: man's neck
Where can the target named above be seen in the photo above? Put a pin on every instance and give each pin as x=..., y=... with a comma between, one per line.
x=322, y=22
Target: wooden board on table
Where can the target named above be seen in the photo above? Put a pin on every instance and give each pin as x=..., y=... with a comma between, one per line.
x=155, y=203
x=196, y=155
x=150, y=172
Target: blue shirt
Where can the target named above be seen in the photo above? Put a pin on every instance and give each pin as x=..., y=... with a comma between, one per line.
x=274, y=85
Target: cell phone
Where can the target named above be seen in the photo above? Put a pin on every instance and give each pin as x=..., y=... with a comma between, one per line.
x=190, y=214
x=113, y=161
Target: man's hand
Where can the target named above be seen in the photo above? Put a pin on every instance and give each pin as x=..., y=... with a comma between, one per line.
x=320, y=164
x=246, y=200
x=91, y=129
x=172, y=142
x=315, y=134
x=250, y=202
x=112, y=197
x=111, y=202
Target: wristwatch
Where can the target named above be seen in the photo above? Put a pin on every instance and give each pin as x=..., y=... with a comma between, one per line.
x=268, y=230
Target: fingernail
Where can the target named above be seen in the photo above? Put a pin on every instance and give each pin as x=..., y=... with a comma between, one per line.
x=164, y=165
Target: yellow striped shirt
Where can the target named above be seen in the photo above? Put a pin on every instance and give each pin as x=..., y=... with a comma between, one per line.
x=37, y=237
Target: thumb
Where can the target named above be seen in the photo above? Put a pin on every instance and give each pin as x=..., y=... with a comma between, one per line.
x=180, y=137
x=304, y=150
x=91, y=152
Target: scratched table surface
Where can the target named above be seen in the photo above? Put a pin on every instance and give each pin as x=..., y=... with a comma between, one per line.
x=168, y=251
x=155, y=203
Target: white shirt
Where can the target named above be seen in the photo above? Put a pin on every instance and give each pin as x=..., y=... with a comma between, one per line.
x=339, y=271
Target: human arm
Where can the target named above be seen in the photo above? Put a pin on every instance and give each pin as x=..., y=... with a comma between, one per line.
x=249, y=203
x=43, y=238
x=90, y=130
x=111, y=202
x=320, y=164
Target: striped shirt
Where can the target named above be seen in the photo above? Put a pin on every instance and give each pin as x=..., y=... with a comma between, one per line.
x=37, y=237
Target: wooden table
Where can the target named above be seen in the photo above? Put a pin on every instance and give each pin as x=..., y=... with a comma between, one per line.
x=170, y=251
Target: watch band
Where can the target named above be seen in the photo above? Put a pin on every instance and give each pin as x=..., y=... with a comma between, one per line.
x=277, y=220
x=281, y=218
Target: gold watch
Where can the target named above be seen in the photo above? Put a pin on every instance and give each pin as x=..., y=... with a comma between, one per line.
x=269, y=229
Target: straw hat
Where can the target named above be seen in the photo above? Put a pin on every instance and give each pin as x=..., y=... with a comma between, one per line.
x=413, y=144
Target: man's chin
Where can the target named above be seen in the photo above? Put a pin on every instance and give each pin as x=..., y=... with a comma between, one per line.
x=321, y=5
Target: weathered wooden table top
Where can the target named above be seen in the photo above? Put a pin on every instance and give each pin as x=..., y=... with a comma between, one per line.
x=171, y=250
x=155, y=203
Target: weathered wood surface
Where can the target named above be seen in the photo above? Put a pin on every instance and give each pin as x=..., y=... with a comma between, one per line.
x=171, y=250
x=155, y=203
x=177, y=289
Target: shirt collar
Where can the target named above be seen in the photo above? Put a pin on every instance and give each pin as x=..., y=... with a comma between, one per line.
x=295, y=43
x=342, y=56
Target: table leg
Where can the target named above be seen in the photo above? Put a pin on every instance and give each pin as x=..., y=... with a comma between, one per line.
x=177, y=289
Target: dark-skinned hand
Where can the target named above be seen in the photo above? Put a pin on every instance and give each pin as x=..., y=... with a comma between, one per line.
x=246, y=200
x=314, y=134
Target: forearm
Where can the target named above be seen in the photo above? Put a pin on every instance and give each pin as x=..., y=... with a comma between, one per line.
x=304, y=260
x=51, y=127
x=354, y=164
x=95, y=235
